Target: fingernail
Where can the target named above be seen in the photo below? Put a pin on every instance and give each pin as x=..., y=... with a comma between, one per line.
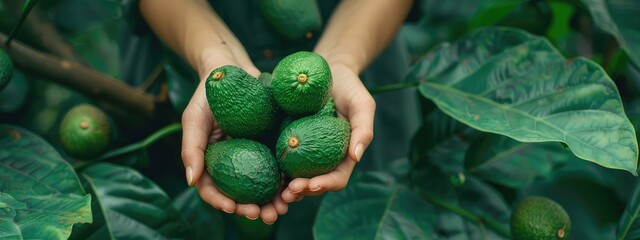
x=190, y=176
x=251, y=218
x=267, y=223
x=359, y=152
x=227, y=211
x=296, y=192
x=315, y=189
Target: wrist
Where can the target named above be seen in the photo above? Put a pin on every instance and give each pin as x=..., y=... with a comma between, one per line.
x=209, y=58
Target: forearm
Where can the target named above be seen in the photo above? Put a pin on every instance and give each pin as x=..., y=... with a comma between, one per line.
x=360, y=29
x=193, y=30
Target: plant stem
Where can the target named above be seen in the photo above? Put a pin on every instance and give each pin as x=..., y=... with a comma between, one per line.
x=490, y=223
x=145, y=143
x=26, y=8
x=394, y=87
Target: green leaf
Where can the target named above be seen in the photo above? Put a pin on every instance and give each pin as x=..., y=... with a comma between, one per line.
x=50, y=197
x=128, y=205
x=206, y=222
x=507, y=162
x=26, y=9
x=180, y=88
x=441, y=142
x=619, y=18
x=374, y=206
x=8, y=205
x=629, y=225
x=509, y=82
x=467, y=211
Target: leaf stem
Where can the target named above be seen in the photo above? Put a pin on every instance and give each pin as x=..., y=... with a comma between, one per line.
x=145, y=143
x=394, y=87
x=26, y=9
x=490, y=223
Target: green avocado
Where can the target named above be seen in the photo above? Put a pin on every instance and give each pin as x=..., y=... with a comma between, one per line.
x=312, y=146
x=243, y=170
x=241, y=105
x=539, y=218
x=329, y=109
x=301, y=83
x=84, y=132
x=293, y=19
x=6, y=69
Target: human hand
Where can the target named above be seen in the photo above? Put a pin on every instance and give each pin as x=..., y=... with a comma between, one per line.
x=199, y=129
x=354, y=103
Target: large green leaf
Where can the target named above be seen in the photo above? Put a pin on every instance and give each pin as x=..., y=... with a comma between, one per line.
x=8, y=206
x=502, y=160
x=629, y=225
x=50, y=197
x=206, y=222
x=508, y=82
x=620, y=19
x=128, y=205
x=374, y=206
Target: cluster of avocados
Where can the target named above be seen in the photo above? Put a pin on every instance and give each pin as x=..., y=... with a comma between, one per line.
x=291, y=106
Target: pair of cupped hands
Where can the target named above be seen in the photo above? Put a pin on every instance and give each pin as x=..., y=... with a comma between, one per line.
x=353, y=102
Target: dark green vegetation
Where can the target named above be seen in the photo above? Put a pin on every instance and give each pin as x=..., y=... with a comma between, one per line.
x=244, y=170
x=85, y=132
x=548, y=107
x=539, y=218
x=242, y=106
x=293, y=19
x=6, y=69
x=302, y=83
x=312, y=146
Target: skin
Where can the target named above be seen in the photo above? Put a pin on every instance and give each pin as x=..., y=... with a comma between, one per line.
x=194, y=31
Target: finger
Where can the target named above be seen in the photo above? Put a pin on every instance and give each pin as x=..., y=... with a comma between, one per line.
x=268, y=214
x=298, y=185
x=210, y=194
x=361, y=120
x=335, y=180
x=197, y=123
x=251, y=211
x=299, y=198
x=281, y=206
x=287, y=196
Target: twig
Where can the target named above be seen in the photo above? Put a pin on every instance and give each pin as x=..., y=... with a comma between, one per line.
x=81, y=78
x=153, y=77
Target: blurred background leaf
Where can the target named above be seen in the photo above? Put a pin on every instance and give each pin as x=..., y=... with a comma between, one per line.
x=128, y=205
x=50, y=195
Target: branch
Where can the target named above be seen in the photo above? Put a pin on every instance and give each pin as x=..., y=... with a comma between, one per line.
x=81, y=78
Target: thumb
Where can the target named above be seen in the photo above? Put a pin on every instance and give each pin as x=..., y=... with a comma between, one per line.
x=197, y=124
x=361, y=129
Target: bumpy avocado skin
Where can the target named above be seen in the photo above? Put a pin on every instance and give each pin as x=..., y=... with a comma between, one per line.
x=293, y=19
x=6, y=69
x=89, y=141
x=323, y=143
x=243, y=170
x=297, y=98
x=241, y=105
x=539, y=218
x=329, y=109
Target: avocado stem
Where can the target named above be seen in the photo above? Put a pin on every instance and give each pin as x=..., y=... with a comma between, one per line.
x=561, y=233
x=302, y=78
x=218, y=75
x=294, y=142
x=84, y=125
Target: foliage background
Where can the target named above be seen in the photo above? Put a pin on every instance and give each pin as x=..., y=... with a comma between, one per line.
x=450, y=186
